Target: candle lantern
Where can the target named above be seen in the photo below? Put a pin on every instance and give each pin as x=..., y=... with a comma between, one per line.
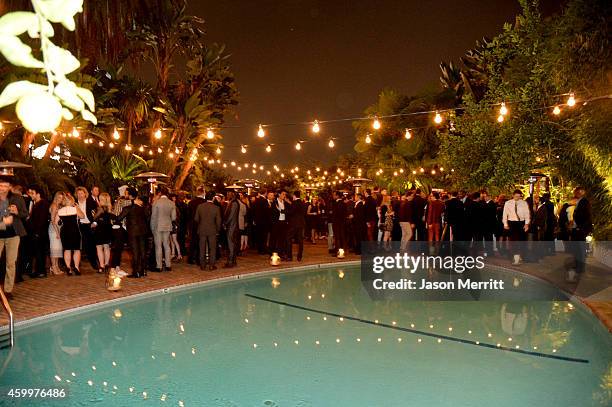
x=274, y=259
x=340, y=254
x=113, y=281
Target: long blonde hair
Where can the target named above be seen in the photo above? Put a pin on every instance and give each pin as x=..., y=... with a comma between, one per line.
x=105, y=201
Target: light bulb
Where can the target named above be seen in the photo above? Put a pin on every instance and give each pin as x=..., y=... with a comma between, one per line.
x=75, y=133
x=243, y=149
x=500, y=118
x=218, y=150
x=571, y=101
x=159, y=150
x=331, y=143
x=210, y=134
x=315, y=127
x=298, y=146
x=503, y=110
x=408, y=135
x=101, y=143
x=268, y=148
x=376, y=124
x=557, y=111
x=141, y=149
x=261, y=132
x=111, y=144
x=368, y=140
x=158, y=134
x=438, y=118
x=116, y=134
x=128, y=147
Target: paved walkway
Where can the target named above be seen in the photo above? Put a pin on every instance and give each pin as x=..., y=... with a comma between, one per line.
x=38, y=297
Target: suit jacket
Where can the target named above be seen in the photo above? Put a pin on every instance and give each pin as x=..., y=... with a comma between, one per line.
x=488, y=211
x=339, y=214
x=583, y=217
x=359, y=214
x=91, y=205
x=405, y=212
x=418, y=211
x=208, y=219
x=297, y=214
x=370, y=209
x=162, y=215
x=192, y=207
x=39, y=219
x=135, y=220
x=454, y=214
x=231, y=215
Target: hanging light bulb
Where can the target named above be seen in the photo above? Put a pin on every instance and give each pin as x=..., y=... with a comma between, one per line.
x=500, y=118
x=158, y=134
x=557, y=111
x=261, y=132
x=243, y=149
x=176, y=150
x=171, y=154
x=438, y=118
x=315, y=127
x=268, y=148
x=210, y=134
x=298, y=146
x=503, y=110
x=101, y=143
x=331, y=143
x=376, y=123
x=368, y=140
x=128, y=147
x=218, y=150
x=571, y=101
x=141, y=149
x=111, y=144
x=116, y=134
x=150, y=152
x=408, y=135
x=75, y=133
x=159, y=150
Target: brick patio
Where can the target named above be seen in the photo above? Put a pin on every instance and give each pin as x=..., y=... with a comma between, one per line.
x=38, y=297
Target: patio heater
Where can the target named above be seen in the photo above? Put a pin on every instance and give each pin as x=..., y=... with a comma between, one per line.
x=152, y=178
x=358, y=182
x=7, y=168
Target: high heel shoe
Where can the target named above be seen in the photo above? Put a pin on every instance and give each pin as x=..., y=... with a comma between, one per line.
x=77, y=272
x=69, y=272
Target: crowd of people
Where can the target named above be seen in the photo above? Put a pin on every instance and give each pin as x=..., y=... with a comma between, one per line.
x=39, y=237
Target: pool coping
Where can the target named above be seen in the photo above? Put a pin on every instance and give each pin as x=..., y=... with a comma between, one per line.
x=574, y=299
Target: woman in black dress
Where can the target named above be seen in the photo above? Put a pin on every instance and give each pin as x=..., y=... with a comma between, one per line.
x=68, y=216
x=103, y=231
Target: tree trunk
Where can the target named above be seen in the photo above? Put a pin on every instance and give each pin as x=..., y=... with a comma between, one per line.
x=188, y=165
x=53, y=141
x=28, y=138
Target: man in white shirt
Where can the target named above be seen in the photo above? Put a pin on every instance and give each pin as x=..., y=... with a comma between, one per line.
x=516, y=218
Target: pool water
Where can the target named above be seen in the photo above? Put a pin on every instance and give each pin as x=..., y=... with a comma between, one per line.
x=315, y=338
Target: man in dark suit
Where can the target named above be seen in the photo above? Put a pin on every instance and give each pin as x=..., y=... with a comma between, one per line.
x=297, y=223
x=135, y=216
x=581, y=228
x=208, y=221
x=261, y=222
x=371, y=215
x=39, y=230
x=360, y=228
x=487, y=211
x=194, y=239
x=338, y=220
x=418, y=216
x=455, y=216
x=230, y=223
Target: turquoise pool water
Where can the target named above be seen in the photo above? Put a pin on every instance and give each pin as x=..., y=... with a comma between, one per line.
x=314, y=338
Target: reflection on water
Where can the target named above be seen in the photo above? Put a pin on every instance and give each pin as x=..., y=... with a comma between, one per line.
x=216, y=346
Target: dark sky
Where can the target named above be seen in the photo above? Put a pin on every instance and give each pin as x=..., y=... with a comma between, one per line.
x=297, y=60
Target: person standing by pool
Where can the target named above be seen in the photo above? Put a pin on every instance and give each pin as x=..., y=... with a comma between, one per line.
x=68, y=215
x=208, y=221
x=297, y=223
x=56, y=252
x=370, y=214
x=338, y=220
x=360, y=226
x=135, y=217
x=12, y=209
x=39, y=230
x=581, y=227
x=88, y=207
x=162, y=215
x=244, y=222
x=516, y=221
x=192, y=207
x=103, y=231
x=231, y=228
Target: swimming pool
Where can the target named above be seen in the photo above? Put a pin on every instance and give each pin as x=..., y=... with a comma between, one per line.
x=315, y=338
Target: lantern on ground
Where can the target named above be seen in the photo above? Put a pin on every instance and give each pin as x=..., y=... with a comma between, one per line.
x=113, y=281
x=275, y=259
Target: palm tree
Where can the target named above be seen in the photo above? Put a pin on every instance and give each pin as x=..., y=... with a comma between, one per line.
x=133, y=102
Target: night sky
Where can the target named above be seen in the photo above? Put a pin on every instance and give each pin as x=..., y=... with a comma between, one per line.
x=297, y=60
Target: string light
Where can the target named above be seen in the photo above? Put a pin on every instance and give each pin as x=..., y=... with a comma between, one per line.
x=218, y=150
x=408, y=135
x=128, y=147
x=141, y=149
x=438, y=118
x=261, y=132
x=503, y=110
x=111, y=144
x=268, y=148
x=500, y=118
x=210, y=134
x=368, y=140
x=75, y=133
x=557, y=111
x=376, y=124
x=116, y=134
x=571, y=101
x=158, y=134
x=315, y=127
x=331, y=143
x=243, y=149
x=298, y=145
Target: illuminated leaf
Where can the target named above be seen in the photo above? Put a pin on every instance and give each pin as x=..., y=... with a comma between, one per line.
x=61, y=61
x=66, y=91
x=90, y=117
x=16, y=90
x=17, y=53
x=67, y=114
x=61, y=11
x=87, y=97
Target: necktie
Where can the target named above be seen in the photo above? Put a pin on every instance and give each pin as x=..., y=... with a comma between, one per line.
x=516, y=210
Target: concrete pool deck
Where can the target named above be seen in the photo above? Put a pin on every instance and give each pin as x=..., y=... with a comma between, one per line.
x=35, y=298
